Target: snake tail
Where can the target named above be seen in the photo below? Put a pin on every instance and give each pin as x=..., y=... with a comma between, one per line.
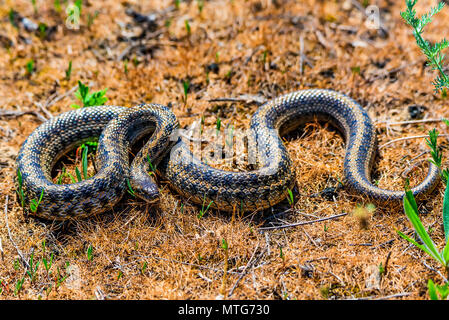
x=269, y=183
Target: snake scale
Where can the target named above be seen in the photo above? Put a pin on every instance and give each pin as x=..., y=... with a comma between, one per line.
x=119, y=127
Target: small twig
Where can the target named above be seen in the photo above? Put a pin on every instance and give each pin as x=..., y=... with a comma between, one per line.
x=418, y=156
x=204, y=277
x=303, y=222
x=337, y=277
x=295, y=211
x=51, y=102
x=395, y=70
x=15, y=114
x=230, y=99
x=434, y=270
x=267, y=242
x=409, y=169
x=409, y=138
x=248, y=59
x=322, y=40
x=10, y=236
x=386, y=262
x=136, y=44
x=310, y=238
x=248, y=265
x=301, y=54
x=397, y=295
x=383, y=244
x=284, y=287
x=1, y=250
x=317, y=259
x=127, y=50
x=280, y=214
x=43, y=109
x=246, y=98
x=191, y=264
x=192, y=139
x=399, y=123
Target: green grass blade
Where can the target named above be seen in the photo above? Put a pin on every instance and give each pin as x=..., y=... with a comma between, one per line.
x=78, y=174
x=412, y=214
x=72, y=178
x=33, y=205
x=20, y=189
x=443, y=290
x=84, y=161
x=432, y=290
x=59, y=181
x=130, y=189
x=41, y=196
x=410, y=198
x=19, y=177
x=445, y=253
x=423, y=248
x=446, y=213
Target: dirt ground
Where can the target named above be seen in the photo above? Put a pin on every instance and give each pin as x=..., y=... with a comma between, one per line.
x=250, y=51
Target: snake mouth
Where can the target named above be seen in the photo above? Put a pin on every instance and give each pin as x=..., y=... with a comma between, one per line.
x=149, y=198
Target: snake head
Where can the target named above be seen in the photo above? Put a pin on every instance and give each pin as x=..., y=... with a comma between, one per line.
x=145, y=188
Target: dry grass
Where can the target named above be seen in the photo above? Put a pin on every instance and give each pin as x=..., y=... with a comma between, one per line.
x=167, y=252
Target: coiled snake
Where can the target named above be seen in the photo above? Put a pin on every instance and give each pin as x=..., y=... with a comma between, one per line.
x=120, y=127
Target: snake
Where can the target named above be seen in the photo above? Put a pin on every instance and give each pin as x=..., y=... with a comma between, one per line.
x=166, y=156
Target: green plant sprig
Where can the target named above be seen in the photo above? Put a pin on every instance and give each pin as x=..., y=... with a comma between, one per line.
x=32, y=270
x=130, y=189
x=152, y=167
x=89, y=99
x=436, y=291
x=185, y=86
x=204, y=210
x=433, y=53
x=33, y=2
x=20, y=188
x=428, y=246
x=437, y=156
x=79, y=5
x=30, y=67
x=57, y=6
x=200, y=4
x=89, y=253
x=19, y=285
x=84, y=161
x=68, y=71
x=290, y=198
x=35, y=204
x=188, y=28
